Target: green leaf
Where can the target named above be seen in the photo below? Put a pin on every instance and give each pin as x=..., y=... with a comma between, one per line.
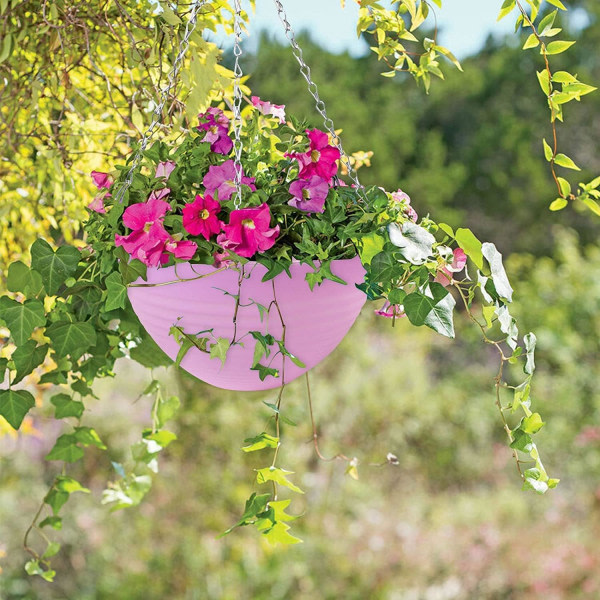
x=66, y=449
x=544, y=80
x=592, y=205
x=384, y=267
x=499, y=277
x=369, y=246
x=470, y=245
x=22, y=279
x=557, y=3
x=435, y=311
x=88, y=437
x=277, y=475
x=531, y=42
x=548, y=152
x=54, y=267
x=69, y=485
x=65, y=406
x=56, y=499
x=219, y=349
x=255, y=505
x=563, y=77
x=162, y=437
x=54, y=522
x=116, y=292
x=562, y=160
x=532, y=424
x=414, y=242
x=14, y=405
x=132, y=270
x=149, y=354
x=51, y=550
x=507, y=7
x=263, y=440
x=26, y=358
x=558, y=204
x=167, y=409
x=23, y=318
x=71, y=339
x=565, y=187
x=522, y=441
x=558, y=47
x=279, y=534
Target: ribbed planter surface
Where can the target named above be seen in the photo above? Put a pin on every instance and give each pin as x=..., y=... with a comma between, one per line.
x=316, y=321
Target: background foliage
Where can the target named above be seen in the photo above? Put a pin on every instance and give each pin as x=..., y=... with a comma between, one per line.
x=437, y=525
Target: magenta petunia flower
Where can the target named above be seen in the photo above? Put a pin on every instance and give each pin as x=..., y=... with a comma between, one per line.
x=391, y=311
x=216, y=126
x=143, y=215
x=403, y=198
x=102, y=181
x=249, y=231
x=444, y=275
x=221, y=260
x=266, y=108
x=321, y=158
x=164, y=169
x=309, y=194
x=220, y=179
x=200, y=217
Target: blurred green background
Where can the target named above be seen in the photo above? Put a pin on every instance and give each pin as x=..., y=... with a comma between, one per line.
x=449, y=522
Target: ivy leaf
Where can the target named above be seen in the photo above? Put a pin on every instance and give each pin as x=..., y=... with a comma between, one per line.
x=132, y=270
x=264, y=372
x=56, y=499
x=65, y=406
x=149, y=354
x=54, y=522
x=385, y=267
x=219, y=349
x=530, y=342
x=88, y=437
x=414, y=242
x=435, y=311
x=255, y=505
x=263, y=440
x=23, y=318
x=66, y=449
x=278, y=476
x=26, y=358
x=499, y=277
x=71, y=339
x=22, y=279
x=279, y=534
x=14, y=405
x=116, y=292
x=532, y=424
x=69, y=485
x=54, y=267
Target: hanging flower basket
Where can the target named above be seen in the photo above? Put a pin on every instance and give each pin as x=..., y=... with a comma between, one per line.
x=315, y=320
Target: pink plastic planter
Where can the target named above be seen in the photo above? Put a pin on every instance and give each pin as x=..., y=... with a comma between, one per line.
x=316, y=321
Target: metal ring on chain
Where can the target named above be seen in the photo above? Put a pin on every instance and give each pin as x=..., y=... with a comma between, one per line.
x=314, y=92
x=164, y=96
x=237, y=102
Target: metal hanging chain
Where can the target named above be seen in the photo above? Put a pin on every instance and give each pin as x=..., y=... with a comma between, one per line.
x=312, y=88
x=164, y=96
x=237, y=102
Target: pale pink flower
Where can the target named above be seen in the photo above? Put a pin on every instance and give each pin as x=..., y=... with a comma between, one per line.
x=445, y=274
x=164, y=169
x=391, y=311
x=266, y=108
x=220, y=179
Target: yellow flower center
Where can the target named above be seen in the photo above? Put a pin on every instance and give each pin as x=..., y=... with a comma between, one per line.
x=204, y=214
x=315, y=155
x=249, y=223
x=306, y=194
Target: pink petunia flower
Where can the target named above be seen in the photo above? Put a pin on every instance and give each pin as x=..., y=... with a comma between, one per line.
x=249, y=231
x=266, y=108
x=321, y=158
x=445, y=274
x=403, y=198
x=216, y=126
x=309, y=194
x=200, y=217
x=164, y=169
x=391, y=311
x=221, y=179
x=102, y=181
x=159, y=194
x=221, y=260
x=141, y=216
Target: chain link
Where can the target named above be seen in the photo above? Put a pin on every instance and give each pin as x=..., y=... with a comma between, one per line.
x=319, y=104
x=164, y=96
x=237, y=102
